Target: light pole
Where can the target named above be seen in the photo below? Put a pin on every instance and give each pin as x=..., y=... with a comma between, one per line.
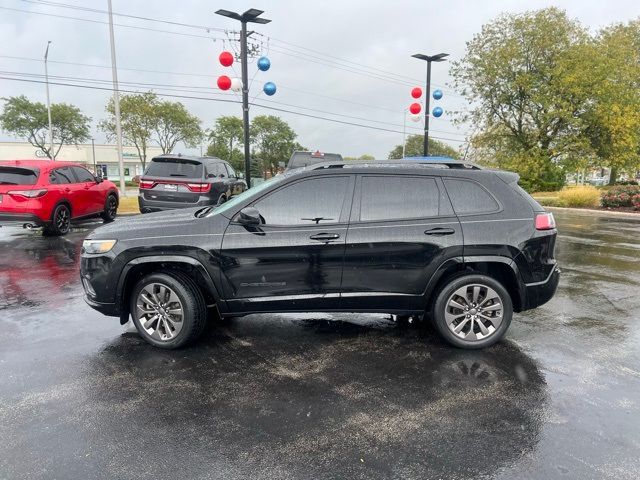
x=93, y=148
x=46, y=79
x=433, y=58
x=116, y=99
x=250, y=16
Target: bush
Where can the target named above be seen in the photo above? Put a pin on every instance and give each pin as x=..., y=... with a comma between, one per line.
x=620, y=196
x=582, y=196
x=636, y=201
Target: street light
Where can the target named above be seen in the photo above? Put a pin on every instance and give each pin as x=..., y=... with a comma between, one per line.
x=46, y=77
x=433, y=58
x=250, y=16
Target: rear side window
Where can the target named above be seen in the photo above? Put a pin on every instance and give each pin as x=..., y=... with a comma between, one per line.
x=83, y=175
x=469, y=197
x=398, y=198
x=61, y=176
x=18, y=176
x=216, y=169
x=175, y=167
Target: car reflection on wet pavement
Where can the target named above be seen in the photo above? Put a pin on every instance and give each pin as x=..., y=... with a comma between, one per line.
x=319, y=395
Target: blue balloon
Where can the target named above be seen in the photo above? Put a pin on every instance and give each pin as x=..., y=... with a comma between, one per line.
x=264, y=64
x=437, y=94
x=437, y=112
x=269, y=88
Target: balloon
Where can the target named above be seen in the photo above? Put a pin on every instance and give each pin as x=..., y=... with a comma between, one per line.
x=437, y=94
x=416, y=92
x=236, y=84
x=437, y=111
x=415, y=118
x=224, y=82
x=226, y=59
x=269, y=88
x=415, y=108
x=264, y=64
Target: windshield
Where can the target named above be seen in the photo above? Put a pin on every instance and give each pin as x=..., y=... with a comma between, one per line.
x=174, y=167
x=17, y=176
x=247, y=194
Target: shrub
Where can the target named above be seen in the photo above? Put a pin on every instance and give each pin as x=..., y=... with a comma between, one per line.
x=582, y=196
x=620, y=196
x=636, y=201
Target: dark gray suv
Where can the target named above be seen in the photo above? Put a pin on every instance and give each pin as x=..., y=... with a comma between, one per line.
x=178, y=181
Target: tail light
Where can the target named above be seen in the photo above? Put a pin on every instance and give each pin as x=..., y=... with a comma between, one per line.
x=545, y=221
x=199, y=187
x=28, y=193
x=146, y=184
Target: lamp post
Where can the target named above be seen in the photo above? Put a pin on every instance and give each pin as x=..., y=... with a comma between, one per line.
x=428, y=58
x=250, y=16
x=116, y=99
x=46, y=79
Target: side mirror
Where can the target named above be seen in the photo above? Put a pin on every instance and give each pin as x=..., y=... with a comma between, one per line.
x=221, y=175
x=249, y=216
x=99, y=177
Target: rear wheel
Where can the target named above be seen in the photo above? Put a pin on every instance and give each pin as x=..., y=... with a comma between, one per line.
x=60, y=221
x=168, y=309
x=110, y=209
x=472, y=311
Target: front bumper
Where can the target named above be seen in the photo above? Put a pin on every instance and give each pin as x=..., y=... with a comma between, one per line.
x=539, y=293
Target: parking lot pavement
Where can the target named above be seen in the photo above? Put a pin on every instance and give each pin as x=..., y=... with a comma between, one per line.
x=323, y=396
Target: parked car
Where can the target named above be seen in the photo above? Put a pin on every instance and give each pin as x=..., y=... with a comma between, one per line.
x=53, y=194
x=305, y=159
x=468, y=246
x=178, y=181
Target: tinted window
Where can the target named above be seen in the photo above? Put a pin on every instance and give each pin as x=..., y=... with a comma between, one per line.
x=216, y=169
x=174, y=167
x=397, y=198
x=469, y=197
x=61, y=176
x=304, y=159
x=83, y=175
x=309, y=202
x=17, y=176
x=232, y=172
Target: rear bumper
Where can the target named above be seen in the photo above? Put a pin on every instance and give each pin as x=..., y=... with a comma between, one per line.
x=539, y=293
x=149, y=206
x=19, y=219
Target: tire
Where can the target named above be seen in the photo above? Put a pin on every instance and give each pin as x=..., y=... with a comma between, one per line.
x=60, y=221
x=222, y=199
x=110, y=208
x=183, y=294
x=456, y=308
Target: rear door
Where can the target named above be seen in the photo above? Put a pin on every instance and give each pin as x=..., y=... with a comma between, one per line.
x=16, y=179
x=402, y=228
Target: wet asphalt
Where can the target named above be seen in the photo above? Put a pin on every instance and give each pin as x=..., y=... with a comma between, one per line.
x=323, y=396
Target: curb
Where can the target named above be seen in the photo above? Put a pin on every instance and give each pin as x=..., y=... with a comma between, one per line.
x=592, y=212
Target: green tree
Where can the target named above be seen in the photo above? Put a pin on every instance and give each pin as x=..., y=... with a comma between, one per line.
x=414, y=148
x=23, y=118
x=226, y=139
x=173, y=123
x=137, y=117
x=272, y=140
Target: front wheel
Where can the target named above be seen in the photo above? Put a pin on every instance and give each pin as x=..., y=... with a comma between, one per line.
x=110, y=209
x=472, y=311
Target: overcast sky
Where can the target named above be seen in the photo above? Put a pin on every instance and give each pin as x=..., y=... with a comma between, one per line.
x=349, y=58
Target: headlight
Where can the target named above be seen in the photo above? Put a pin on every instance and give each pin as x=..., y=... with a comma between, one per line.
x=97, y=246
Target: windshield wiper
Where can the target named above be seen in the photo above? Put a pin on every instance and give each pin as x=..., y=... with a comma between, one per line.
x=203, y=212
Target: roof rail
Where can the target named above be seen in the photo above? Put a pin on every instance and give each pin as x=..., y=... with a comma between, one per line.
x=412, y=162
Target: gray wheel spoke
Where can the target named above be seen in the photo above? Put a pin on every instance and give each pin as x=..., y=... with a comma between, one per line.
x=495, y=321
x=455, y=304
x=461, y=325
x=476, y=294
x=150, y=322
x=483, y=329
x=492, y=308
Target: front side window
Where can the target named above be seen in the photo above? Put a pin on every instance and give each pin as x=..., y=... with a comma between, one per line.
x=469, y=197
x=83, y=175
x=309, y=202
x=387, y=198
x=232, y=172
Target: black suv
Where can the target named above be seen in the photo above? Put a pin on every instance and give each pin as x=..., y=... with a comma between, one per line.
x=465, y=245
x=178, y=181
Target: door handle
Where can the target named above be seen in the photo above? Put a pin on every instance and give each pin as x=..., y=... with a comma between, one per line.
x=325, y=237
x=440, y=231
x=67, y=190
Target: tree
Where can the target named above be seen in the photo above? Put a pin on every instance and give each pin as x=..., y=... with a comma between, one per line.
x=137, y=117
x=27, y=119
x=510, y=76
x=173, y=123
x=226, y=139
x=414, y=148
x=273, y=141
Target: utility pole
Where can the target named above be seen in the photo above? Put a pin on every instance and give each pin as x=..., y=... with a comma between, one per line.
x=46, y=76
x=116, y=99
x=433, y=58
x=93, y=148
x=250, y=16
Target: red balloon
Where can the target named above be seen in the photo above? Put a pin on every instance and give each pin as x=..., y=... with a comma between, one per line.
x=416, y=92
x=415, y=108
x=224, y=82
x=226, y=59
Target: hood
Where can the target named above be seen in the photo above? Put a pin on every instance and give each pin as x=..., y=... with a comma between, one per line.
x=160, y=224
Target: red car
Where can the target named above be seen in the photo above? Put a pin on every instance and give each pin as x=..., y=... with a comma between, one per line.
x=52, y=194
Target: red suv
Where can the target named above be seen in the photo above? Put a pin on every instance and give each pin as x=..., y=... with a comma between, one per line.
x=51, y=194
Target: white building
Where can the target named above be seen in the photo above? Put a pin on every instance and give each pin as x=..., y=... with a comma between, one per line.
x=106, y=156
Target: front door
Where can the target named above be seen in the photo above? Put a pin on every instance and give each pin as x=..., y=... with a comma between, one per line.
x=293, y=261
x=402, y=229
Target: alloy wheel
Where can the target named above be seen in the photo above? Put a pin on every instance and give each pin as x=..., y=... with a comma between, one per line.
x=160, y=312
x=62, y=219
x=112, y=206
x=474, y=312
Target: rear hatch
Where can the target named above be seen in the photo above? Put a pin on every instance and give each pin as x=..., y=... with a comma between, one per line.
x=16, y=185
x=304, y=159
x=178, y=180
